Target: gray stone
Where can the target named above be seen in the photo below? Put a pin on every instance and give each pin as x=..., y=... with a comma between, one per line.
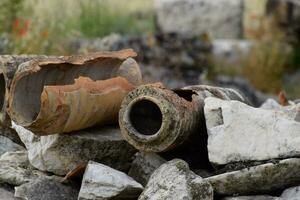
x=61, y=153
x=292, y=193
x=16, y=170
x=6, y=193
x=144, y=165
x=7, y=144
x=174, y=180
x=258, y=197
x=238, y=132
x=102, y=182
x=195, y=17
x=45, y=189
x=259, y=179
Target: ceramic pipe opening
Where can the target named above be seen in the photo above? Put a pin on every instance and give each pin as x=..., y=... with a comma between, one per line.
x=145, y=117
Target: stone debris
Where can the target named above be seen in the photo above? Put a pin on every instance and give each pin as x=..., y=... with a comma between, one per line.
x=196, y=142
x=16, y=170
x=261, y=179
x=102, y=182
x=61, y=153
x=174, y=180
x=144, y=165
x=45, y=189
x=259, y=134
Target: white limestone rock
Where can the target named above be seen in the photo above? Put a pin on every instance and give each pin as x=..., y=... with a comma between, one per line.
x=195, y=17
x=102, y=182
x=60, y=153
x=292, y=193
x=174, y=180
x=238, y=132
x=259, y=179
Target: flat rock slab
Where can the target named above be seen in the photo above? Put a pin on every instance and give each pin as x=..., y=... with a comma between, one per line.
x=174, y=180
x=102, y=182
x=45, y=189
x=16, y=170
x=238, y=132
x=61, y=153
x=7, y=144
x=258, y=179
x=144, y=165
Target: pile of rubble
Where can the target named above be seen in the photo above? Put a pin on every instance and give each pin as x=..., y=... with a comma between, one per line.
x=86, y=127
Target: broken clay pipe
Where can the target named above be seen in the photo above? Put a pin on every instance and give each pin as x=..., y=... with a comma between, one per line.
x=8, y=67
x=44, y=98
x=170, y=122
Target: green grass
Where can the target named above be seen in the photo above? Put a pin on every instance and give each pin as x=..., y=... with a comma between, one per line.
x=53, y=23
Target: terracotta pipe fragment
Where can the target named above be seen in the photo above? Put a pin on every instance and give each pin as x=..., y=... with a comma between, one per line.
x=153, y=118
x=8, y=66
x=70, y=93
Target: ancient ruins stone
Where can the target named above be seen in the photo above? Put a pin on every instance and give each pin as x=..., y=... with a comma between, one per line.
x=292, y=193
x=102, y=182
x=45, y=189
x=258, y=197
x=238, y=132
x=16, y=170
x=61, y=153
x=257, y=179
x=144, y=165
x=7, y=145
x=195, y=17
x=174, y=180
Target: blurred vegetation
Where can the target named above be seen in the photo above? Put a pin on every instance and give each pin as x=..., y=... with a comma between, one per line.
x=44, y=27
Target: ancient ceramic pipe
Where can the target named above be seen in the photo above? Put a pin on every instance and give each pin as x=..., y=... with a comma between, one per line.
x=65, y=94
x=155, y=119
x=8, y=67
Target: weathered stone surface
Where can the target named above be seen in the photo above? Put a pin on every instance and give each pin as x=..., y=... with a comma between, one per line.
x=270, y=104
x=7, y=145
x=238, y=132
x=194, y=17
x=16, y=170
x=258, y=179
x=6, y=193
x=144, y=165
x=61, y=153
x=257, y=197
x=292, y=193
x=102, y=182
x=174, y=180
x=45, y=189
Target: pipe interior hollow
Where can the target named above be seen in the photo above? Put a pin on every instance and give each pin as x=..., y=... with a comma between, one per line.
x=2, y=91
x=145, y=117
